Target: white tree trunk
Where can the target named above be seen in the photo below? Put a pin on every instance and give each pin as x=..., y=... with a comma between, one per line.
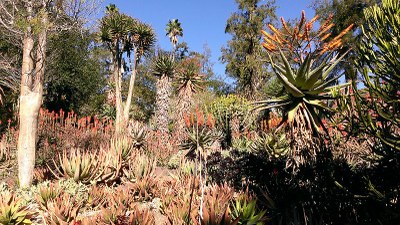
x=28, y=124
x=30, y=100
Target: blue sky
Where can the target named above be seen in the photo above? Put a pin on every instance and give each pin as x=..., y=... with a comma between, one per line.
x=203, y=21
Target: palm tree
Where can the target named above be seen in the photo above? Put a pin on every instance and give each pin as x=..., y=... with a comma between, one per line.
x=114, y=31
x=188, y=81
x=164, y=69
x=142, y=40
x=174, y=30
x=124, y=34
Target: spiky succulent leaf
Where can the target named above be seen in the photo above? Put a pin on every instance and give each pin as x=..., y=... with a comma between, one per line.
x=164, y=65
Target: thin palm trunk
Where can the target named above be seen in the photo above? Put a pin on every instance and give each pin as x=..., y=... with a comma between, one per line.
x=131, y=87
x=119, y=119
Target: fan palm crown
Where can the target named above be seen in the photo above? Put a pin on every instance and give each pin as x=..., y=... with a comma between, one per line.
x=174, y=30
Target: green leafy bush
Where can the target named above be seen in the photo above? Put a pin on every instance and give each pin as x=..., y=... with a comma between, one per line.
x=378, y=60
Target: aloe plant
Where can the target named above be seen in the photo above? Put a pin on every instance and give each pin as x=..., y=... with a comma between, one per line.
x=274, y=144
x=80, y=166
x=306, y=76
x=63, y=210
x=12, y=212
x=47, y=194
x=247, y=212
x=137, y=132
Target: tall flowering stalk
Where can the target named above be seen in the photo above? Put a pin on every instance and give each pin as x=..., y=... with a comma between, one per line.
x=201, y=136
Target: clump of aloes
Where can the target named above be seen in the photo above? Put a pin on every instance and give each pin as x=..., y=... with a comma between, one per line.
x=305, y=60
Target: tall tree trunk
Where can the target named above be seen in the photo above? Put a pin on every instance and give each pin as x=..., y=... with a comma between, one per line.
x=30, y=101
x=162, y=103
x=119, y=120
x=185, y=103
x=131, y=86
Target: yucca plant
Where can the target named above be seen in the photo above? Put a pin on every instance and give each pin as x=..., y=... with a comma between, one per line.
x=306, y=76
x=12, y=212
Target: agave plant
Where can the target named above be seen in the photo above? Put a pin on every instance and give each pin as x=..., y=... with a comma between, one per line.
x=122, y=146
x=141, y=216
x=306, y=77
x=12, y=212
x=200, y=134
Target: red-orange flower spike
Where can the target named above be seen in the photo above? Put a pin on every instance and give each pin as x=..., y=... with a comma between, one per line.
x=191, y=118
x=209, y=120
x=273, y=29
x=326, y=36
x=345, y=31
x=327, y=21
x=187, y=120
x=266, y=34
x=284, y=25
x=326, y=29
x=303, y=19
x=200, y=119
x=314, y=19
